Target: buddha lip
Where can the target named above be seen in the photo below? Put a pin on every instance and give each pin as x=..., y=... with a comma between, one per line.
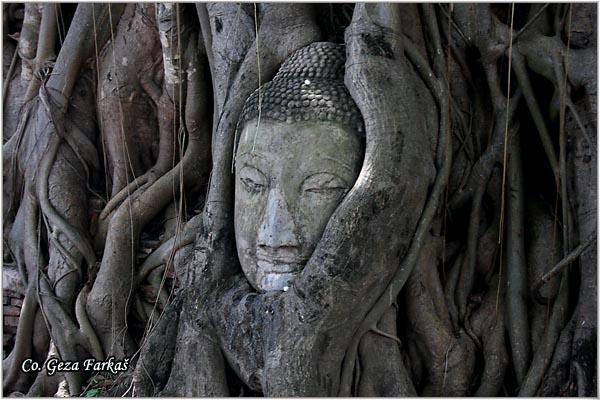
x=278, y=266
x=276, y=259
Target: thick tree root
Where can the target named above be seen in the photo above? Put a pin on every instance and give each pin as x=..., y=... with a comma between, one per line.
x=109, y=313
x=410, y=259
x=543, y=356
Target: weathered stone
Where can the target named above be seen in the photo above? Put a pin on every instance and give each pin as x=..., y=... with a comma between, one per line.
x=11, y=322
x=308, y=85
x=11, y=310
x=7, y=339
x=293, y=170
x=289, y=180
x=16, y=301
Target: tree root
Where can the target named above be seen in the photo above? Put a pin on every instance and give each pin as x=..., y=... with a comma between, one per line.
x=10, y=153
x=467, y=272
x=555, y=270
x=410, y=259
x=45, y=48
x=154, y=365
x=544, y=248
x=85, y=326
x=450, y=291
x=140, y=183
x=129, y=219
x=483, y=168
x=28, y=41
x=9, y=76
x=57, y=221
x=44, y=384
x=525, y=85
x=377, y=378
x=62, y=331
x=516, y=293
x=543, y=356
x=164, y=252
x=448, y=356
x=488, y=325
x=126, y=115
x=14, y=379
x=44, y=138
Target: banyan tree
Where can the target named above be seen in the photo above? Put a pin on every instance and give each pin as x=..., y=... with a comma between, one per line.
x=239, y=199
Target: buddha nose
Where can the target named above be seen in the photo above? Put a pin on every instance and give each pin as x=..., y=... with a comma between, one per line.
x=277, y=227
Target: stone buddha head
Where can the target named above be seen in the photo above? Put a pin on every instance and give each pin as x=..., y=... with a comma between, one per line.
x=299, y=151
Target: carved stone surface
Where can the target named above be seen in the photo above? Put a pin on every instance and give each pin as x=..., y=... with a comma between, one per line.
x=295, y=161
x=289, y=180
x=308, y=86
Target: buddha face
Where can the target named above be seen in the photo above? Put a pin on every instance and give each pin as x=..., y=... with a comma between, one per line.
x=289, y=180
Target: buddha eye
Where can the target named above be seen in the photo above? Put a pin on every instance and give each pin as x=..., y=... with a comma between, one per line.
x=252, y=179
x=251, y=186
x=324, y=183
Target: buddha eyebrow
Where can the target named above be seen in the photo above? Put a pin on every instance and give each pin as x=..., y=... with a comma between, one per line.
x=335, y=160
x=250, y=154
